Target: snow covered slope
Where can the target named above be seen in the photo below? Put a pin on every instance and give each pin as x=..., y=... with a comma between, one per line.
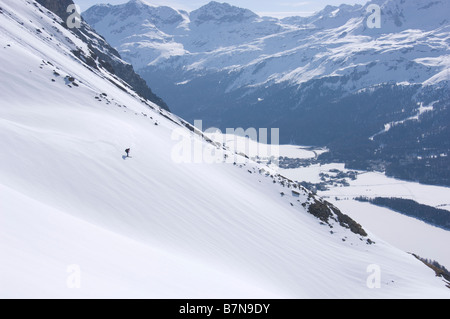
x=149, y=227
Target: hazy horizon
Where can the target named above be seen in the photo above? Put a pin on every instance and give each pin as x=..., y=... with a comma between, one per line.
x=282, y=9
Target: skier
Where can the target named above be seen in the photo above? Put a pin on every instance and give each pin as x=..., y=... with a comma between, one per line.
x=128, y=152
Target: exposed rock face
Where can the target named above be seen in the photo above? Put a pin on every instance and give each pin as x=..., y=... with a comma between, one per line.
x=107, y=56
x=58, y=7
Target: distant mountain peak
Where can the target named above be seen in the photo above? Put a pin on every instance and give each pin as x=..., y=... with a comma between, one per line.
x=137, y=3
x=221, y=12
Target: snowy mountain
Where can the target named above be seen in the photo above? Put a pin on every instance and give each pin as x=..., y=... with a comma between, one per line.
x=81, y=220
x=261, y=51
x=218, y=13
x=314, y=77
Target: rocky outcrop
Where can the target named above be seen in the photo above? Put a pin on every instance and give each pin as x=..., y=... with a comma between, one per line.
x=101, y=51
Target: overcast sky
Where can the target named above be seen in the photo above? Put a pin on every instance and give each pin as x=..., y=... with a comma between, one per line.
x=280, y=8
